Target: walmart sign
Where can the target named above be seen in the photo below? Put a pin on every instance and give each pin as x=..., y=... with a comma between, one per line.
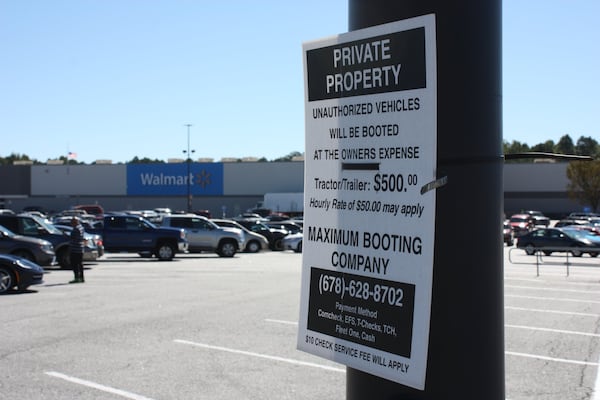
x=204, y=179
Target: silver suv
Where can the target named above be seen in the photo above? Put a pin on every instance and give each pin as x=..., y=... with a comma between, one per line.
x=204, y=235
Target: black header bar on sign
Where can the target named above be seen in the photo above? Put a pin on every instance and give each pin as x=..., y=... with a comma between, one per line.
x=381, y=64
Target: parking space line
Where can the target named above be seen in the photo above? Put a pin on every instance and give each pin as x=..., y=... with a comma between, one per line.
x=596, y=390
x=553, y=289
x=265, y=356
x=280, y=321
x=551, y=299
x=552, y=311
x=563, y=360
x=551, y=330
x=97, y=386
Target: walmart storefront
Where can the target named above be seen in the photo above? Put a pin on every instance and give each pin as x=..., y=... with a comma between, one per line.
x=227, y=187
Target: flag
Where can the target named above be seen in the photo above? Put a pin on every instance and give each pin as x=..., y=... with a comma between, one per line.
x=72, y=156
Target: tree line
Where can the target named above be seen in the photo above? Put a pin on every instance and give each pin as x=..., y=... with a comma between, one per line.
x=9, y=160
x=585, y=146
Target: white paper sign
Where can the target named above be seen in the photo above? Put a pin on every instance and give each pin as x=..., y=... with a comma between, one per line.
x=370, y=98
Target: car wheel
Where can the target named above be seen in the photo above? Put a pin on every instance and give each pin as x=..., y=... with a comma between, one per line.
x=6, y=280
x=529, y=249
x=278, y=245
x=24, y=254
x=253, y=247
x=165, y=252
x=63, y=259
x=593, y=254
x=299, y=248
x=547, y=253
x=576, y=252
x=226, y=249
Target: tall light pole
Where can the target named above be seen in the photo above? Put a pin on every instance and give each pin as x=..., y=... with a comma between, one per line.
x=189, y=152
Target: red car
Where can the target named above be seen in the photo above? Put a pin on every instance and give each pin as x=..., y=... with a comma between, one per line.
x=521, y=224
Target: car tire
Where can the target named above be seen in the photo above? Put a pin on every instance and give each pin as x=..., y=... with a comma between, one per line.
x=576, y=252
x=529, y=249
x=226, y=249
x=63, y=259
x=278, y=244
x=7, y=281
x=298, y=248
x=165, y=252
x=253, y=246
x=593, y=254
x=547, y=253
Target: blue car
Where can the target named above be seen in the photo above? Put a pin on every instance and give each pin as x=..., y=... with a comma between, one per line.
x=20, y=273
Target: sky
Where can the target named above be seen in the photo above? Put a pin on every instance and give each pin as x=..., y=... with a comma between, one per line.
x=116, y=79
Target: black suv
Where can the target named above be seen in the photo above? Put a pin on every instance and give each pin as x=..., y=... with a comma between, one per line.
x=33, y=226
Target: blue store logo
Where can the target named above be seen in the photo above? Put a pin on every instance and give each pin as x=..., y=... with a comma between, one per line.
x=172, y=179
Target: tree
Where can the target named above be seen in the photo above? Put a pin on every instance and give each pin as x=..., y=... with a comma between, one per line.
x=586, y=146
x=289, y=156
x=546, y=147
x=584, y=185
x=565, y=145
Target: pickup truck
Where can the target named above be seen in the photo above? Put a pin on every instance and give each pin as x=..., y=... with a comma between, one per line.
x=124, y=233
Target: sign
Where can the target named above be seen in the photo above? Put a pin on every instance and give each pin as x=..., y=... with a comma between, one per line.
x=204, y=179
x=369, y=207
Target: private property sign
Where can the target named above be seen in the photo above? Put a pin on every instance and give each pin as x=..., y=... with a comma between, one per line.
x=369, y=212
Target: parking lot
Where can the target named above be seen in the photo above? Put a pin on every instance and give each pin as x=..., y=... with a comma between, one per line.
x=204, y=327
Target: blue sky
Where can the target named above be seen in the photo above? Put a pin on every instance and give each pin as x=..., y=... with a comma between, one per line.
x=115, y=79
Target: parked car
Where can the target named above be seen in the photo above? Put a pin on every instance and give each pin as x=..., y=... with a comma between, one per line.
x=538, y=218
x=204, y=235
x=93, y=243
x=94, y=209
x=293, y=242
x=18, y=272
x=273, y=235
x=585, y=216
x=549, y=240
x=520, y=224
x=37, y=250
x=508, y=234
x=253, y=242
x=289, y=226
x=32, y=226
x=133, y=234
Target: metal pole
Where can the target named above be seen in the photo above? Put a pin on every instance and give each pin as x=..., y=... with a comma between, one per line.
x=466, y=342
x=188, y=179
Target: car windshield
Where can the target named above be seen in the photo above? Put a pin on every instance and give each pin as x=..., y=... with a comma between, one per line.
x=49, y=227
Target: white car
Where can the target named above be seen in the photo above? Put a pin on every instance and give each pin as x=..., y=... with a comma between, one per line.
x=293, y=242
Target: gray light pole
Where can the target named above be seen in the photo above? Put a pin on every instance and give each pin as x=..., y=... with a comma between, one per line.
x=189, y=152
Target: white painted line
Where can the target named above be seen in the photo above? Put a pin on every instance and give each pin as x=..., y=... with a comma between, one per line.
x=552, y=330
x=265, y=356
x=551, y=299
x=596, y=391
x=280, y=321
x=552, y=289
x=97, y=386
x=512, y=353
x=553, y=311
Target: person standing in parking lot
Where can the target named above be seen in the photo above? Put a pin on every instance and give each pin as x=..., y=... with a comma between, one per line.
x=76, y=248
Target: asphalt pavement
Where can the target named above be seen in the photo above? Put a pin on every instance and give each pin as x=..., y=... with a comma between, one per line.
x=205, y=327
